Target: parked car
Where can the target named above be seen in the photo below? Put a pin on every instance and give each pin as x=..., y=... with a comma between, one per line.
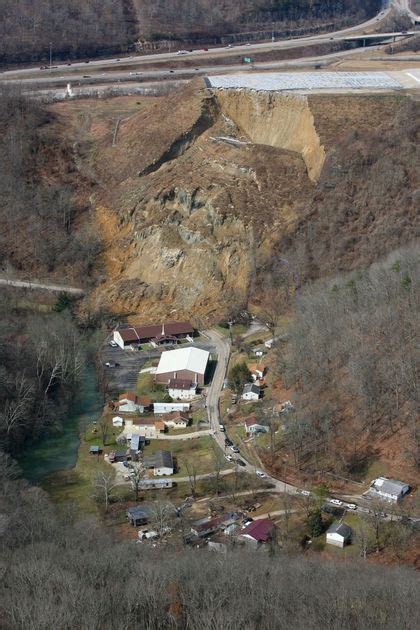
x=234, y=448
x=229, y=458
x=228, y=442
x=351, y=506
x=246, y=521
x=336, y=502
x=260, y=473
x=113, y=344
x=305, y=493
x=112, y=364
x=240, y=462
x=222, y=428
x=182, y=52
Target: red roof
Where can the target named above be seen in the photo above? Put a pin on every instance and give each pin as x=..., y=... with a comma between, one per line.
x=152, y=331
x=176, y=415
x=259, y=529
x=137, y=400
x=149, y=422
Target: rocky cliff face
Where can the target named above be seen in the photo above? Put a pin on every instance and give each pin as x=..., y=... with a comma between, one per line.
x=204, y=190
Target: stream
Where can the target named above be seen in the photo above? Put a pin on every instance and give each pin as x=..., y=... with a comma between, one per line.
x=58, y=451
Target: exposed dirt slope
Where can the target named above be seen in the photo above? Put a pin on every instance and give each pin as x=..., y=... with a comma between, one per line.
x=191, y=220
x=284, y=121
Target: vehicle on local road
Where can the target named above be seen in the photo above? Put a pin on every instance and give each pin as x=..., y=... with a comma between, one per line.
x=111, y=364
x=260, y=473
x=182, y=52
x=351, y=506
x=305, y=493
x=234, y=448
x=336, y=502
x=228, y=442
x=222, y=428
x=229, y=458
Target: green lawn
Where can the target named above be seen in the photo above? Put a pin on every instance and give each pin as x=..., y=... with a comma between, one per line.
x=197, y=451
x=146, y=386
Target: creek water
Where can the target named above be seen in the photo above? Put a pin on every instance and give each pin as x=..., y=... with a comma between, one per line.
x=58, y=451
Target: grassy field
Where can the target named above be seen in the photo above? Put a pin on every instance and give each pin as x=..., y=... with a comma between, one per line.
x=197, y=452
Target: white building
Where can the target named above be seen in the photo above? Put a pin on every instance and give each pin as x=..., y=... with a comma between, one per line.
x=182, y=389
x=251, y=391
x=129, y=402
x=182, y=364
x=162, y=407
x=148, y=427
x=339, y=534
x=388, y=489
x=175, y=420
x=254, y=427
x=161, y=462
x=117, y=421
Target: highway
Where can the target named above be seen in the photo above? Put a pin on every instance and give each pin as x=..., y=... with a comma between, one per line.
x=107, y=70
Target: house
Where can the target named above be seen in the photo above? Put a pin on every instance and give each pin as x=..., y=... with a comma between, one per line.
x=182, y=389
x=148, y=427
x=257, y=371
x=117, y=421
x=161, y=461
x=176, y=420
x=182, y=364
x=388, y=489
x=139, y=514
x=212, y=524
x=257, y=532
x=251, y=391
x=170, y=407
x=156, y=484
x=137, y=444
x=254, y=427
x=159, y=333
x=339, y=534
x=129, y=402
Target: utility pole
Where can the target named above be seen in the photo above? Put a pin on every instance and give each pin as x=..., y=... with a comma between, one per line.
x=50, y=55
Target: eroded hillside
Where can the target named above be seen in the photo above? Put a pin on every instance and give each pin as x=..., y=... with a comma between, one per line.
x=203, y=190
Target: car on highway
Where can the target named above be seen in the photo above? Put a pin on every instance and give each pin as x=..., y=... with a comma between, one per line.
x=351, y=506
x=112, y=364
x=229, y=458
x=260, y=473
x=240, y=462
x=234, y=448
x=336, y=502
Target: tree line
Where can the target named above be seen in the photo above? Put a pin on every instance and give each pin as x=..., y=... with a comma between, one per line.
x=351, y=357
x=74, y=28
x=66, y=573
x=39, y=216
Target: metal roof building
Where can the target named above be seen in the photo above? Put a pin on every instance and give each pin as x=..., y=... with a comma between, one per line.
x=389, y=489
x=184, y=363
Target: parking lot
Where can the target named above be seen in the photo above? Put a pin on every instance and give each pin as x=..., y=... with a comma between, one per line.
x=130, y=362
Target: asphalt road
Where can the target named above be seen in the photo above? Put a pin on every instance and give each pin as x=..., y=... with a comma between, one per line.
x=40, y=286
x=110, y=66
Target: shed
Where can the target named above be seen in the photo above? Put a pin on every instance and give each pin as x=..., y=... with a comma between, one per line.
x=339, y=534
x=94, y=449
x=139, y=514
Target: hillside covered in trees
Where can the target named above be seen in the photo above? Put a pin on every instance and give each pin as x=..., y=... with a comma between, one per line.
x=87, y=27
x=58, y=572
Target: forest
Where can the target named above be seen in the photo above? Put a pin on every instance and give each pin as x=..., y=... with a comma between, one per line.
x=58, y=571
x=74, y=28
x=351, y=358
